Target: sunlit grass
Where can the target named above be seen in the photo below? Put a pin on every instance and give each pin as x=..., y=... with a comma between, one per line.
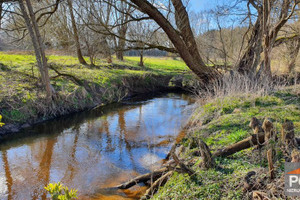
x=155, y=63
x=21, y=92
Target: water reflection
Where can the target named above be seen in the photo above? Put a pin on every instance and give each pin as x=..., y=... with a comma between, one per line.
x=92, y=150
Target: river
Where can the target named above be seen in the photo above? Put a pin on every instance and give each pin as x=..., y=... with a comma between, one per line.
x=94, y=149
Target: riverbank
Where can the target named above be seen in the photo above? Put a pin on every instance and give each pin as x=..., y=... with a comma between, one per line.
x=221, y=122
x=78, y=87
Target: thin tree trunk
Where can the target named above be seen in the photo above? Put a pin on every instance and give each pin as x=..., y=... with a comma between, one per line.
x=267, y=39
x=121, y=44
x=1, y=9
x=37, y=44
x=270, y=31
x=75, y=33
x=107, y=52
x=248, y=63
x=141, y=63
x=41, y=51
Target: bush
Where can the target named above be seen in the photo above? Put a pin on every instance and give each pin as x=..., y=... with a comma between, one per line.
x=60, y=192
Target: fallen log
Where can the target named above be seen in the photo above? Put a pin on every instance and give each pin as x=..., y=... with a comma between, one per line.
x=143, y=178
x=253, y=140
x=158, y=183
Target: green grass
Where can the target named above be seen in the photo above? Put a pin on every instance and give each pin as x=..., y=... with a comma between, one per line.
x=22, y=97
x=105, y=74
x=159, y=64
x=227, y=122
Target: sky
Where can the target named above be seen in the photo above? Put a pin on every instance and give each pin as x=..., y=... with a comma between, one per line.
x=200, y=5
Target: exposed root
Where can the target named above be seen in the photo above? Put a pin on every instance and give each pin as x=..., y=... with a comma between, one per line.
x=143, y=178
x=158, y=183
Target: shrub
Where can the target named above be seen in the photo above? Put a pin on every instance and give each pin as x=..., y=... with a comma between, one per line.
x=60, y=192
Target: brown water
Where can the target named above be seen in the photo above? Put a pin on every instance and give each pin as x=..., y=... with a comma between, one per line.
x=93, y=150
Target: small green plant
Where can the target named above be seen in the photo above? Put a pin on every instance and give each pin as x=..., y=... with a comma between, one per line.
x=60, y=192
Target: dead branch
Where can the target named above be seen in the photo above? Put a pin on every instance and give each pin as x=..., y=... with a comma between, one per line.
x=185, y=168
x=71, y=77
x=143, y=178
x=155, y=186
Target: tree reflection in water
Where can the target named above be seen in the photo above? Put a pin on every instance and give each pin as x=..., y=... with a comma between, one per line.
x=92, y=150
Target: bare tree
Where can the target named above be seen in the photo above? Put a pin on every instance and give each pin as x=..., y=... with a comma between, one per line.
x=96, y=17
x=121, y=19
x=270, y=31
x=75, y=33
x=182, y=37
x=33, y=29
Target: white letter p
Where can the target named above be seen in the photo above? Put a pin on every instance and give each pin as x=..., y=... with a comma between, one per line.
x=293, y=179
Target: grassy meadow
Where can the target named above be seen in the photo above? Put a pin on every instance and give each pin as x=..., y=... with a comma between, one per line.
x=22, y=97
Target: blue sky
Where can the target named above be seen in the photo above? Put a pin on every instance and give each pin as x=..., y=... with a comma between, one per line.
x=200, y=5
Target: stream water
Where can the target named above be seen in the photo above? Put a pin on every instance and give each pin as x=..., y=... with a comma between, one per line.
x=94, y=149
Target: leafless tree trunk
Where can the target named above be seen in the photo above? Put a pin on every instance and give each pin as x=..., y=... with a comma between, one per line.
x=266, y=38
x=270, y=32
x=1, y=9
x=39, y=50
x=183, y=38
x=122, y=30
x=141, y=63
x=293, y=51
x=223, y=50
x=106, y=50
x=263, y=36
x=75, y=33
x=121, y=43
x=250, y=59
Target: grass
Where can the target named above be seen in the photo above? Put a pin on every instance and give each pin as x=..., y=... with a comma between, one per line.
x=154, y=64
x=222, y=122
x=22, y=97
